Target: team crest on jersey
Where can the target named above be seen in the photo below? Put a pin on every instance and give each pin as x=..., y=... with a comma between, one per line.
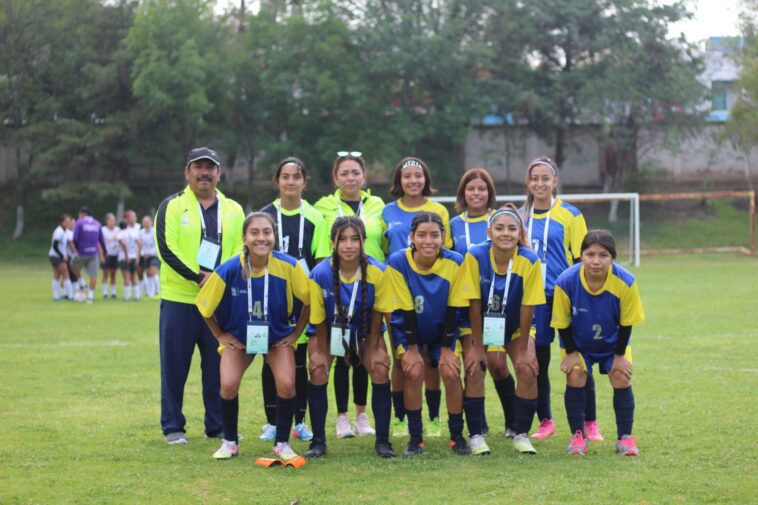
x=234, y=291
x=185, y=221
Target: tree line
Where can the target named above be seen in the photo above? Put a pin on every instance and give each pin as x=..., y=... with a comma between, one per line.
x=96, y=95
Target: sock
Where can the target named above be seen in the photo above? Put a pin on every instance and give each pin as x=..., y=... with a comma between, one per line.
x=506, y=391
x=623, y=404
x=474, y=408
x=229, y=416
x=301, y=383
x=433, y=402
x=105, y=289
x=90, y=294
x=575, y=400
x=113, y=289
x=157, y=284
x=415, y=426
x=381, y=405
x=82, y=283
x=68, y=288
x=127, y=292
x=525, y=410
x=269, y=393
x=589, y=390
x=285, y=409
x=318, y=406
x=147, y=286
x=56, y=286
x=455, y=425
x=398, y=402
x=485, y=426
x=137, y=292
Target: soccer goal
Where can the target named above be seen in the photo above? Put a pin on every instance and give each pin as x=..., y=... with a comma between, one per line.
x=634, y=212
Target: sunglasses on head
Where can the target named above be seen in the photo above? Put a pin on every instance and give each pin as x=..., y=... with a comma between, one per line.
x=352, y=154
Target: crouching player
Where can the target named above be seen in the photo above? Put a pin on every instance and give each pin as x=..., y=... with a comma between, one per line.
x=248, y=304
x=595, y=305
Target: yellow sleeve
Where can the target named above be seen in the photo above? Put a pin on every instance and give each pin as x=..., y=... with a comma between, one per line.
x=534, y=288
x=379, y=280
x=210, y=295
x=299, y=283
x=631, y=307
x=469, y=287
x=318, y=308
x=395, y=293
x=561, y=309
x=578, y=232
x=321, y=248
x=456, y=297
x=446, y=222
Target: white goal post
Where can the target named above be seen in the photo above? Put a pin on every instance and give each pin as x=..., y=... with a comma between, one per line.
x=634, y=212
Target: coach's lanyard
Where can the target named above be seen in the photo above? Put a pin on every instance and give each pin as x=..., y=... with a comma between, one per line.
x=218, y=219
x=544, y=234
x=250, y=292
x=359, y=213
x=301, y=233
x=491, y=298
x=353, y=296
x=468, y=235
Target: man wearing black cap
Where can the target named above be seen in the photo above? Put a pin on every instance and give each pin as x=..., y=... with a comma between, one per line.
x=195, y=230
x=89, y=246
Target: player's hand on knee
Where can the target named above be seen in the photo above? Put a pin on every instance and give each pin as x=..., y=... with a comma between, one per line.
x=230, y=341
x=450, y=360
x=528, y=366
x=411, y=359
x=473, y=359
x=621, y=366
x=316, y=362
x=570, y=362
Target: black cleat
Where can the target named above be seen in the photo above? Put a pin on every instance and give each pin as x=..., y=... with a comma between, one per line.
x=460, y=447
x=316, y=450
x=384, y=450
x=414, y=449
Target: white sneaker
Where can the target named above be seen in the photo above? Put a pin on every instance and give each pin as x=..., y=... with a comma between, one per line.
x=363, y=425
x=343, y=427
x=228, y=450
x=268, y=432
x=284, y=451
x=509, y=433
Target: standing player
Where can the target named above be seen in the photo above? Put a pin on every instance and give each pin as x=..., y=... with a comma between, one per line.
x=555, y=230
x=300, y=234
x=112, y=247
x=90, y=248
x=595, y=306
x=412, y=186
x=349, y=176
x=128, y=255
x=260, y=322
x=507, y=273
x=58, y=255
x=426, y=324
x=133, y=228
x=149, y=262
x=346, y=321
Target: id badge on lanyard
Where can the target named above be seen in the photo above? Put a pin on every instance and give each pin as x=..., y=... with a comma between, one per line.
x=257, y=331
x=339, y=340
x=301, y=234
x=209, y=248
x=493, y=332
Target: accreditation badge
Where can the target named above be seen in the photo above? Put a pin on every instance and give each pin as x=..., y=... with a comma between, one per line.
x=336, y=340
x=257, y=337
x=207, y=254
x=543, y=268
x=494, y=329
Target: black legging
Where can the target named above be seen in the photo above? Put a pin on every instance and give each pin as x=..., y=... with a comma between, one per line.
x=342, y=387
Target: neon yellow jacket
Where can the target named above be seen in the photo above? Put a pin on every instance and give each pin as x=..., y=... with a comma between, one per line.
x=331, y=205
x=177, y=238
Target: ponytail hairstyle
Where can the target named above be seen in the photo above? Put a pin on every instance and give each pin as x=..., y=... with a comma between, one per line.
x=428, y=217
x=510, y=210
x=603, y=238
x=541, y=160
x=290, y=160
x=340, y=225
x=245, y=250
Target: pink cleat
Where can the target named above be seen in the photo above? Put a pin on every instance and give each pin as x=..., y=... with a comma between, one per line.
x=592, y=430
x=627, y=446
x=546, y=429
x=578, y=445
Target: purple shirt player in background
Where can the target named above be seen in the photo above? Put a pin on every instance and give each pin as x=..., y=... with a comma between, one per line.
x=90, y=250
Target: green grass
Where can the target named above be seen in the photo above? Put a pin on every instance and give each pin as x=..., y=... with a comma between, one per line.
x=80, y=405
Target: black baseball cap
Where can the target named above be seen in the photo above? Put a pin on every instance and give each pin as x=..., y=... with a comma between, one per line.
x=203, y=153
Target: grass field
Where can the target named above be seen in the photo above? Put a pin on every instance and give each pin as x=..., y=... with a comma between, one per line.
x=80, y=401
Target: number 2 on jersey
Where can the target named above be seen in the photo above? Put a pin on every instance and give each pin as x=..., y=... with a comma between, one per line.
x=597, y=329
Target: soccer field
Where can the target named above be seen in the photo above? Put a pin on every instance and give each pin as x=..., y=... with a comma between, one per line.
x=80, y=405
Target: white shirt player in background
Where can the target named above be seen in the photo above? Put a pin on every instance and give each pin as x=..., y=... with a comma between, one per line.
x=110, y=235
x=59, y=255
x=149, y=262
x=129, y=254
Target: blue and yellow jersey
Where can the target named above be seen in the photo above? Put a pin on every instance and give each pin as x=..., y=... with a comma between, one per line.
x=224, y=296
x=397, y=220
x=595, y=317
x=564, y=240
x=427, y=292
x=526, y=287
x=322, y=295
x=477, y=228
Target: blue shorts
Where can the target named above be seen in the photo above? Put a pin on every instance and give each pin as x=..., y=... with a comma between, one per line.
x=542, y=316
x=604, y=360
x=434, y=349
